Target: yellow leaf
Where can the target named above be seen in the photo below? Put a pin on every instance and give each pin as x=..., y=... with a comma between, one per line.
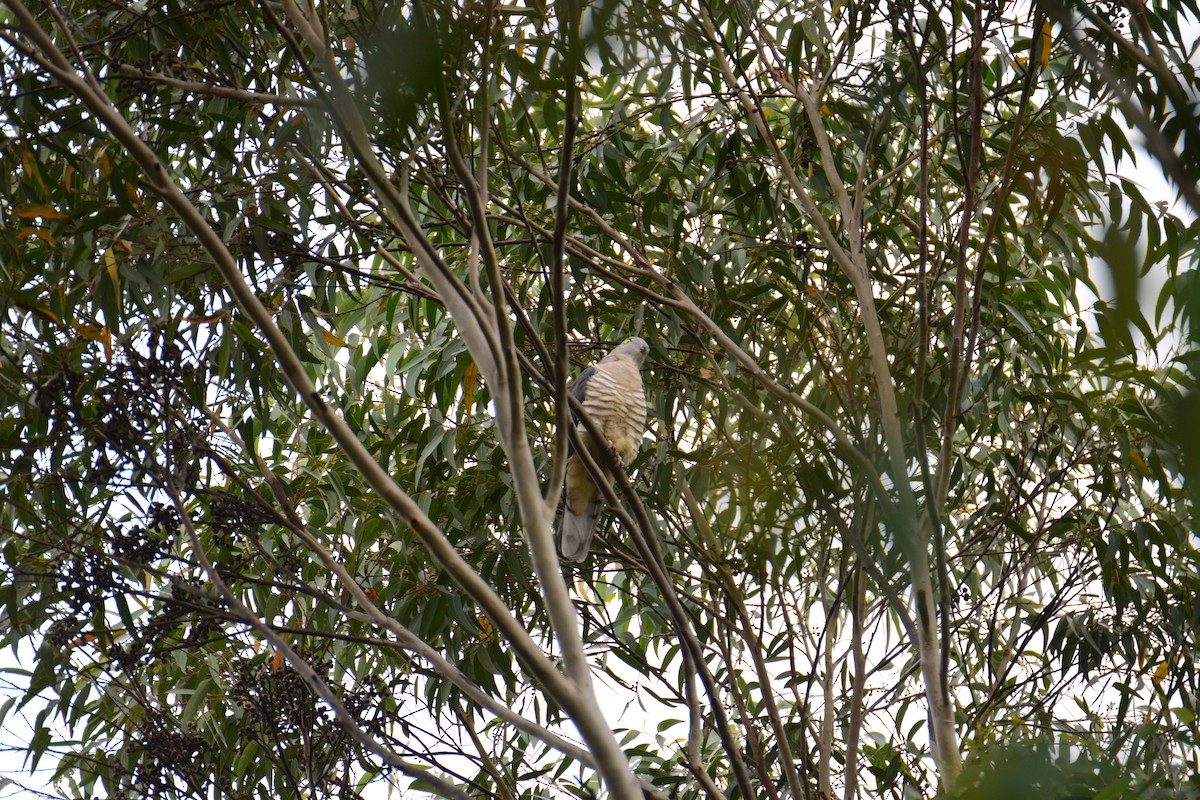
x=104, y=164
x=29, y=231
x=332, y=339
x=826, y=110
x=113, y=269
x=1140, y=463
x=32, y=170
x=470, y=376
x=1046, y=39
x=93, y=333
x=214, y=319
x=32, y=212
x=135, y=197
x=1160, y=674
x=86, y=638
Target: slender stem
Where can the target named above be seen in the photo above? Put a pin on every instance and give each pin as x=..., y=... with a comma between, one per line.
x=405, y=638
x=903, y=519
x=859, y=684
x=825, y=740
x=503, y=790
x=558, y=293
x=695, y=758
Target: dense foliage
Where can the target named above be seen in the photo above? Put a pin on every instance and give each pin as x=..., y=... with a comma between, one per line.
x=914, y=511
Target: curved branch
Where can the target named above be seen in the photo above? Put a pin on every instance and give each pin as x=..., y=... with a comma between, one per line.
x=48, y=56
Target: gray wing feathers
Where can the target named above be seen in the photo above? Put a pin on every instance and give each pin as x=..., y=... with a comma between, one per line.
x=579, y=387
x=575, y=534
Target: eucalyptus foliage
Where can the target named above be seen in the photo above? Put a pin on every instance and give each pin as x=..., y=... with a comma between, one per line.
x=914, y=514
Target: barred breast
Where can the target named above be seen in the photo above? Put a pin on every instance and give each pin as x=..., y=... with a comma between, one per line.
x=617, y=402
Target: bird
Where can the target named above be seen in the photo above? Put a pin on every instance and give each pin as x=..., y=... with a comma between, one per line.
x=612, y=394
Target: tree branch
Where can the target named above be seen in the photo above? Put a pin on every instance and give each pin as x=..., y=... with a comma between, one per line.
x=440, y=548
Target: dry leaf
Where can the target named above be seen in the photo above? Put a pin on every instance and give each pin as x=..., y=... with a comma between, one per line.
x=31, y=212
x=30, y=231
x=470, y=376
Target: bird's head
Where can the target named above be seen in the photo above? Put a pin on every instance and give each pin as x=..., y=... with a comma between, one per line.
x=635, y=349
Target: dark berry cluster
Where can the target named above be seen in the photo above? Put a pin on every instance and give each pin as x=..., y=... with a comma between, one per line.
x=63, y=631
x=122, y=418
x=144, y=544
x=136, y=544
x=365, y=704
x=279, y=706
x=121, y=415
x=231, y=512
x=167, y=754
x=1113, y=11
x=277, y=699
x=187, y=608
x=124, y=657
x=85, y=580
x=55, y=394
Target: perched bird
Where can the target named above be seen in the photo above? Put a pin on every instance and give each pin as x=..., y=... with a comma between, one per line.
x=611, y=392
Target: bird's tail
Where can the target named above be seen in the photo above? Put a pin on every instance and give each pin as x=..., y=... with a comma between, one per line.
x=575, y=532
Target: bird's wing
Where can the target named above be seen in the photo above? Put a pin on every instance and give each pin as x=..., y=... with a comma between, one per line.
x=579, y=387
